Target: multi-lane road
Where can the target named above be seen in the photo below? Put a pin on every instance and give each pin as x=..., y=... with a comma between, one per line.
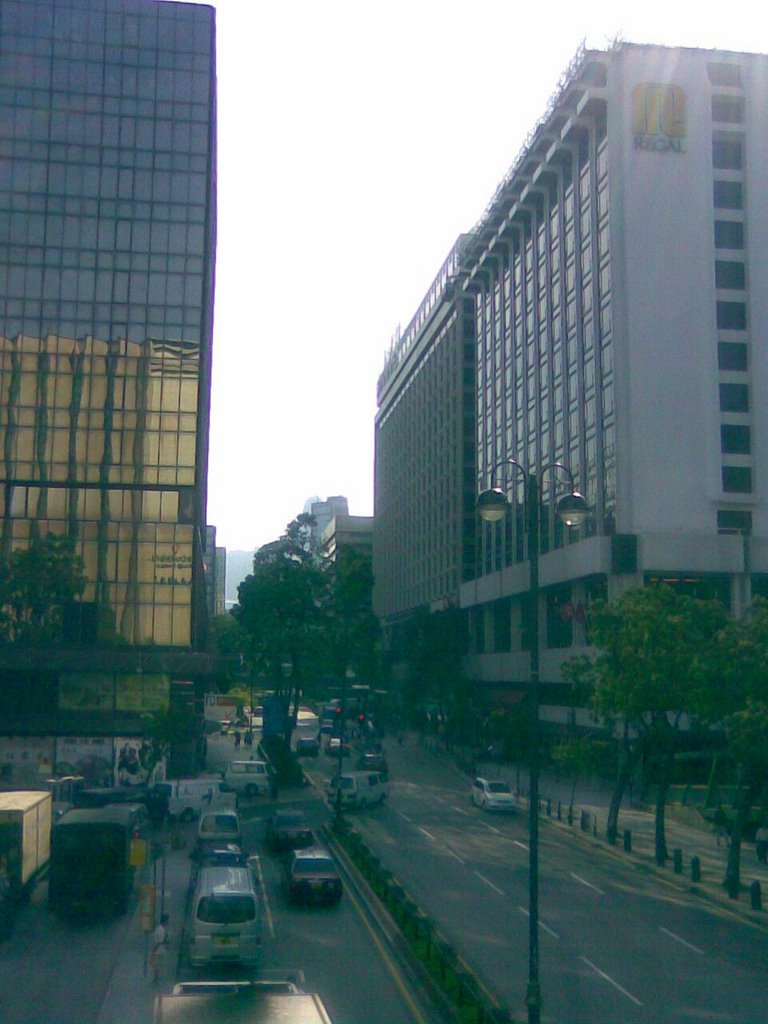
x=615, y=944
x=76, y=972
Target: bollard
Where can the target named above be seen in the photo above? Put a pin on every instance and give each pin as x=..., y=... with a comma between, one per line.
x=755, y=896
x=584, y=821
x=559, y=811
x=677, y=861
x=695, y=869
x=627, y=841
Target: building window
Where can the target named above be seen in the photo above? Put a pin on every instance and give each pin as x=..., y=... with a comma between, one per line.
x=729, y=234
x=734, y=439
x=729, y=274
x=724, y=74
x=727, y=154
x=731, y=355
x=732, y=316
x=728, y=108
x=734, y=522
x=737, y=479
x=728, y=195
x=734, y=398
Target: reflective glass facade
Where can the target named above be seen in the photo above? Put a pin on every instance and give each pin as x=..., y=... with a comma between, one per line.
x=107, y=176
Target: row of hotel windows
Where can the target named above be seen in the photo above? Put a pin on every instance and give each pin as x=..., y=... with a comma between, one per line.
x=570, y=410
x=728, y=194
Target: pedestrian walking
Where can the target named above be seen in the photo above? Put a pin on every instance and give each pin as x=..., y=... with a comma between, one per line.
x=722, y=831
x=159, y=949
x=761, y=843
x=237, y=739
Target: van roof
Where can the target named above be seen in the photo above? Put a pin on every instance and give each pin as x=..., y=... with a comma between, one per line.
x=225, y=880
x=116, y=814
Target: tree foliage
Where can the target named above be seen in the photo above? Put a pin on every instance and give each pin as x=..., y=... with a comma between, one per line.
x=303, y=619
x=36, y=584
x=739, y=699
x=433, y=648
x=653, y=648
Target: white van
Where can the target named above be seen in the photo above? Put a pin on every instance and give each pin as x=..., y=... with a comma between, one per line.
x=226, y=920
x=358, y=789
x=252, y=778
x=188, y=798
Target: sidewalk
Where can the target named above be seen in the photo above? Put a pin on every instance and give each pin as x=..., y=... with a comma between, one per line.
x=685, y=831
x=131, y=993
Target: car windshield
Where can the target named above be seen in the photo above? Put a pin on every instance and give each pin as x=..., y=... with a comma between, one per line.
x=283, y=818
x=219, y=823
x=312, y=865
x=226, y=909
x=498, y=787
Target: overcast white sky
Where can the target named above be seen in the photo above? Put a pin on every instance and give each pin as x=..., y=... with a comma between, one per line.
x=356, y=141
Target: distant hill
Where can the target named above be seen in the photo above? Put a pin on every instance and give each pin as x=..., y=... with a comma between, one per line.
x=239, y=565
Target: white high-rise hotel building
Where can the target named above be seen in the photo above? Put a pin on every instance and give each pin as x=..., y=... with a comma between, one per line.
x=620, y=287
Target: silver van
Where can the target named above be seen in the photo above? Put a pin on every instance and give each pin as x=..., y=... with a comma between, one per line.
x=219, y=826
x=356, y=789
x=251, y=778
x=226, y=921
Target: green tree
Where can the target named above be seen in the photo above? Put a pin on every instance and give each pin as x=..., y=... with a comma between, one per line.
x=579, y=757
x=36, y=584
x=735, y=693
x=651, y=642
x=350, y=629
x=435, y=643
x=164, y=728
x=279, y=610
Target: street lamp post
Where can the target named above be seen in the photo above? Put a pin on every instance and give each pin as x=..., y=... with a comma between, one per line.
x=572, y=508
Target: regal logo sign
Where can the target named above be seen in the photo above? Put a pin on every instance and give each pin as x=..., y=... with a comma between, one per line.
x=659, y=118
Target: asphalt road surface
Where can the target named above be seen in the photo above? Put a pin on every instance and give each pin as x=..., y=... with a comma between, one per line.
x=615, y=944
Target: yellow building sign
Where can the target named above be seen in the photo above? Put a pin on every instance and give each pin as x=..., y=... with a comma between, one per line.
x=659, y=117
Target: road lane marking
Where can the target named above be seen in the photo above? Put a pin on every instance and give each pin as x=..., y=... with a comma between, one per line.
x=588, y=884
x=388, y=961
x=609, y=979
x=454, y=855
x=516, y=842
x=489, y=882
x=545, y=927
x=265, y=898
x=404, y=816
x=682, y=942
x=427, y=834
x=459, y=810
x=491, y=828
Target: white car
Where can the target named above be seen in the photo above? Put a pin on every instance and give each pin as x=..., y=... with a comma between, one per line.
x=492, y=795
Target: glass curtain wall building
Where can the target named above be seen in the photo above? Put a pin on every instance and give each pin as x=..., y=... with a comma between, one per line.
x=107, y=216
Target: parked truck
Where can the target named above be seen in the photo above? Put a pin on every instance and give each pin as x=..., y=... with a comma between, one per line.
x=261, y=1000
x=25, y=847
x=94, y=856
